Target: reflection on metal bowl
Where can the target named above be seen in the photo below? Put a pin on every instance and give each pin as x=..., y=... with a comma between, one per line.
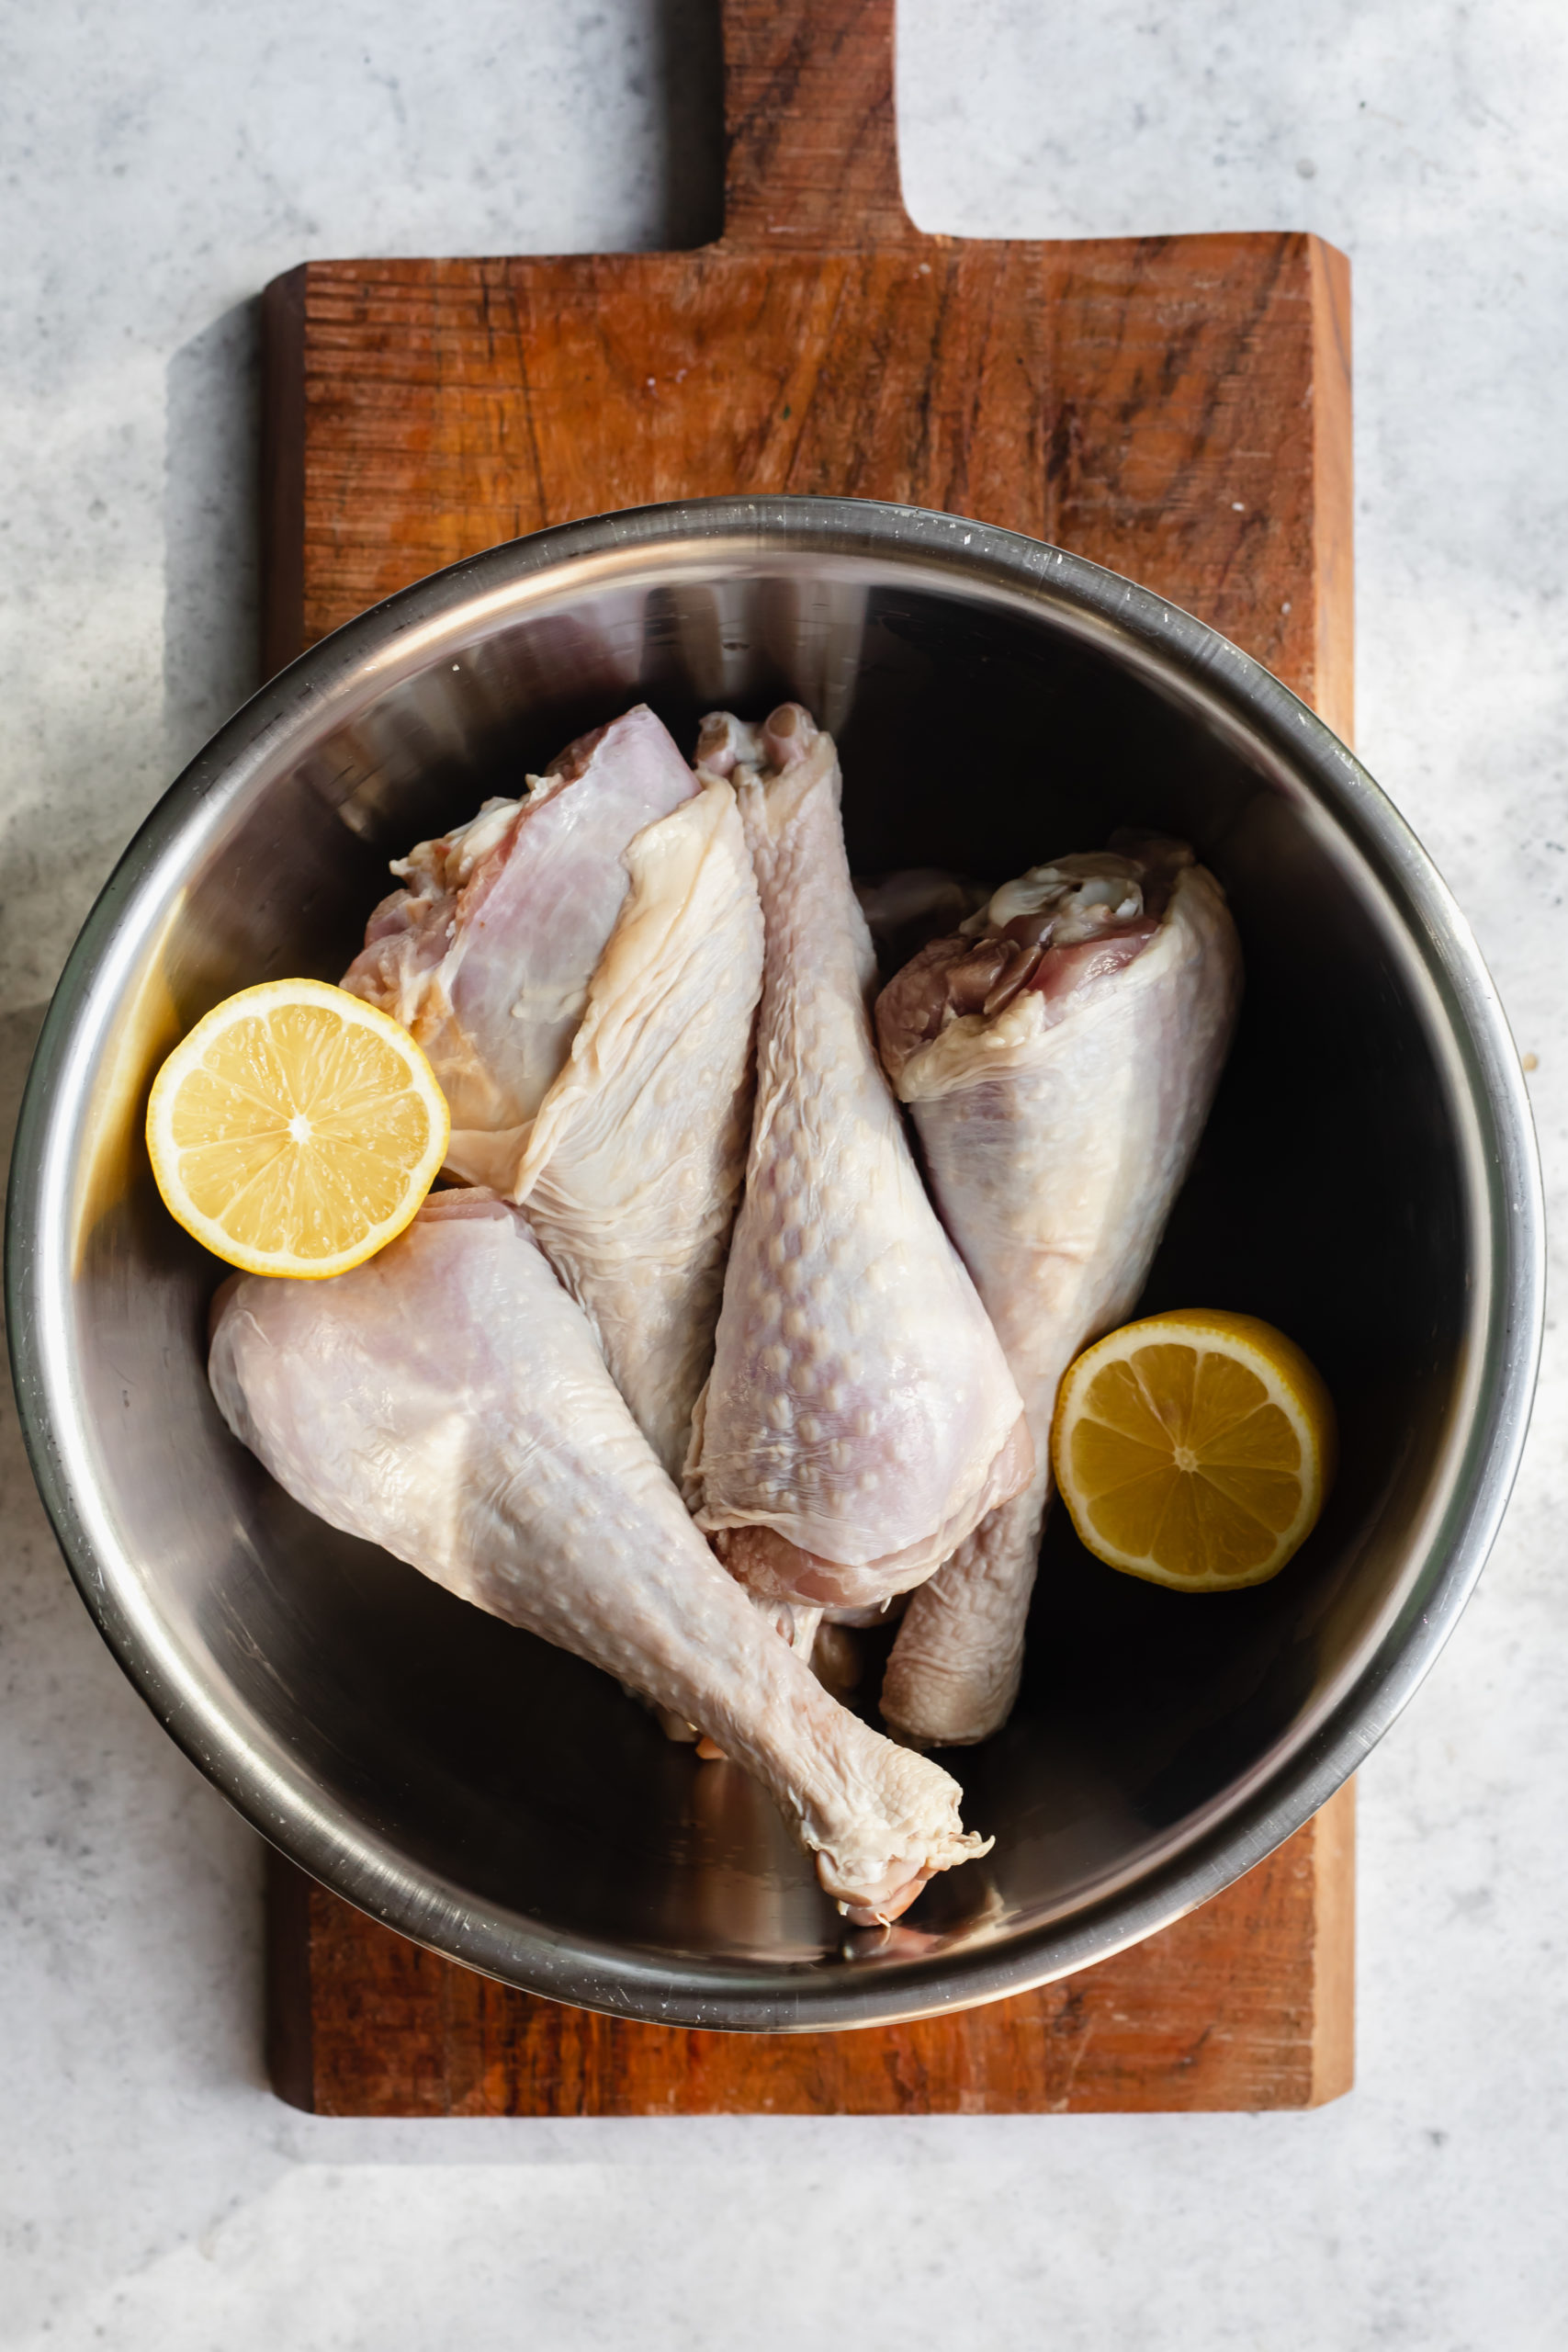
x=1368, y=1181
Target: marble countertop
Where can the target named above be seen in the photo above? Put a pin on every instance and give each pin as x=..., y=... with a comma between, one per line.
x=160, y=162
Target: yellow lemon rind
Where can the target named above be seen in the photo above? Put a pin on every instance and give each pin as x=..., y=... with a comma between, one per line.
x=164, y=1153
x=1293, y=1383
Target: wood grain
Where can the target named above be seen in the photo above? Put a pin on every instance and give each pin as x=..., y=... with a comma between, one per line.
x=1154, y=406
x=1178, y=409
x=1243, y=2003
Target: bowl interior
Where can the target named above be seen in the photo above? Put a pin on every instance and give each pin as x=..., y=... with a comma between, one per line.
x=502, y=1783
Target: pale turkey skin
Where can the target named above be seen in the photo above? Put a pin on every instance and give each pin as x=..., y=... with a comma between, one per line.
x=447, y=1401
x=860, y=1418
x=616, y=907
x=632, y=1172
x=1057, y=1132
x=487, y=952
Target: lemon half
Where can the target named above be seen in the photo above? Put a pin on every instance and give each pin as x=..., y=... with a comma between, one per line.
x=1194, y=1449
x=296, y=1130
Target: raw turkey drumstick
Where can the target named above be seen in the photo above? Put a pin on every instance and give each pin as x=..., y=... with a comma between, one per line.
x=860, y=1418
x=582, y=967
x=447, y=1400
x=1060, y=1057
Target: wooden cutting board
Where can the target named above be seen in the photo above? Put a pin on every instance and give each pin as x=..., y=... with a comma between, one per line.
x=1177, y=408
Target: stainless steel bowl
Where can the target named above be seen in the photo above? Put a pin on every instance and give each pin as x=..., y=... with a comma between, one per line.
x=1368, y=1182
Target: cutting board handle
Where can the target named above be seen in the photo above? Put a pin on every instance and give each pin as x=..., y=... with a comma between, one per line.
x=811, y=140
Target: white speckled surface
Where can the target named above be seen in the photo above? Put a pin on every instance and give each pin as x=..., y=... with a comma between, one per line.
x=159, y=162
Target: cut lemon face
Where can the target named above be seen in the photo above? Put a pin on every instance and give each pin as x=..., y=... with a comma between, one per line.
x=1194, y=1449
x=296, y=1130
